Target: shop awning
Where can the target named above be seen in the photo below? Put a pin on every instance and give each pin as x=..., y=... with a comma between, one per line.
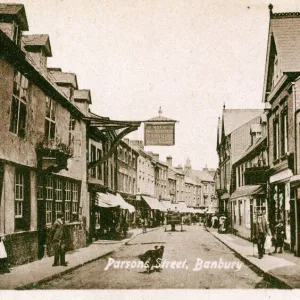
x=154, y=203
x=170, y=206
x=109, y=200
x=247, y=190
x=124, y=204
x=105, y=200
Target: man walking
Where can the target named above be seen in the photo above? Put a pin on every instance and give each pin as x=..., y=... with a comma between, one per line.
x=59, y=241
x=260, y=231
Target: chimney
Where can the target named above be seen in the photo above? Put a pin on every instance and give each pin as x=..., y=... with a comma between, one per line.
x=38, y=45
x=169, y=161
x=82, y=99
x=206, y=168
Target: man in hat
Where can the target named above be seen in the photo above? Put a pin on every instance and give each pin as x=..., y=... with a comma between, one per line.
x=59, y=241
x=260, y=231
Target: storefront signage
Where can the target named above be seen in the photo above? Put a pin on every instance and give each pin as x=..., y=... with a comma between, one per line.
x=159, y=134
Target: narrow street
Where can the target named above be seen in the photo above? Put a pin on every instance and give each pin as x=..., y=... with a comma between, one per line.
x=195, y=245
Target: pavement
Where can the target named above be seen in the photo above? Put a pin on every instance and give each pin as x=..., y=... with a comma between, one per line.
x=282, y=269
x=28, y=275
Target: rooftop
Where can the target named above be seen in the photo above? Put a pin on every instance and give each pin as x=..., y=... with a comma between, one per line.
x=15, y=11
x=39, y=40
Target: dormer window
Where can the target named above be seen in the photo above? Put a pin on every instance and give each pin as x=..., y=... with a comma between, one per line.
x=276, y=73
x=17, y=34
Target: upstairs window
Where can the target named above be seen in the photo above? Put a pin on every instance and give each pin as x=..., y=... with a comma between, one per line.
x=93, y=158
x=50, y=119
x=19, y=105
x=72, y=123
x=276, y=138
x=284, y=132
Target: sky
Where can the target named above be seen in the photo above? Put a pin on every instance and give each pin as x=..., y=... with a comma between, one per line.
x=188, y=57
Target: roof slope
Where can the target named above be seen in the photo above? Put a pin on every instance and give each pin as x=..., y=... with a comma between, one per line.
x=286, y=32
x=235, y=118
x=203, y=175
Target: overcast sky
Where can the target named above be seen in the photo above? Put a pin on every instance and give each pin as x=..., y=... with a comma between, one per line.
x=189, y=57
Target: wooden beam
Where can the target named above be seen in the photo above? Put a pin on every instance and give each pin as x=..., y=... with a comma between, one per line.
x=113, y=147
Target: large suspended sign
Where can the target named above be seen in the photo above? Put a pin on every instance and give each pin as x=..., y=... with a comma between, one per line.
x=159, y=131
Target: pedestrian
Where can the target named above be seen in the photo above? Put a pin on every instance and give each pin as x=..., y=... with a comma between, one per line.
x=221, y=227
x=260, y=231
x=3, y=257
x=59, y=239
x=279, y=236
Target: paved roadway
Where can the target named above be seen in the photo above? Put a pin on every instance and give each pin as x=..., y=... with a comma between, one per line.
x=201, y=260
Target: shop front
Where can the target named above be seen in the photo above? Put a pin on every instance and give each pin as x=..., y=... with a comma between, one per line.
x=281, y=205
x=246, y=202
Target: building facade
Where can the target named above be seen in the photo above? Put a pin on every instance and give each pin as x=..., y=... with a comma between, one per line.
x=43, y=171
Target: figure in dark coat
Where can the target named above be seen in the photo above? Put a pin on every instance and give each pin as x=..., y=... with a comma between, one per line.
x=279, y=236
x=260, y=231
x=59, y=238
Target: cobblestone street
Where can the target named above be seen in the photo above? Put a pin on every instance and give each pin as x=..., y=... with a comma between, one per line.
x=192, y=244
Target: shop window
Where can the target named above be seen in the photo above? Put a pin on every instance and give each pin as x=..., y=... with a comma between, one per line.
x=49, y=200
x=68, y=201
x=22, y=199
x=19, y=105
x=75, y=199
x=58, y=197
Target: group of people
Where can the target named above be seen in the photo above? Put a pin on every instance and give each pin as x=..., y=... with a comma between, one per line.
x=216, y=222
x=262, y=236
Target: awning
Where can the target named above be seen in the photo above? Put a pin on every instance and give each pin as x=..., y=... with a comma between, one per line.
x=124, y=204
x=247, y=190
x=170, y=206
x=154, y=203
x=105, y=200
x=109, y=200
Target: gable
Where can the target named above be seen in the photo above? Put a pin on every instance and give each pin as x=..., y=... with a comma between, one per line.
x=283, y=45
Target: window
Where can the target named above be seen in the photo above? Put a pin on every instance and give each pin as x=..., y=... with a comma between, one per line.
x=93, y=158
x=72, y=123
x=58, y=197
x=50, y=119
x=74, y=198
x=17, y=34
x=19, y=105
x=22, y=199
x=49, y=200
x=68, y=200
x=284, y=132
x=19, y=195
x=276, y=138
x=99, y=167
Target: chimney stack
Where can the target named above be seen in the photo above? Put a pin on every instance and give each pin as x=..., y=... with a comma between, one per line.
x=169, y=160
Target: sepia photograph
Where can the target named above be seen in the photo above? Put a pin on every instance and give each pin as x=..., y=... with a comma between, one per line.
x=150, y=147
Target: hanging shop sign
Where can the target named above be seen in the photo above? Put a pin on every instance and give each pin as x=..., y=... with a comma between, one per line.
x=159, y=134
